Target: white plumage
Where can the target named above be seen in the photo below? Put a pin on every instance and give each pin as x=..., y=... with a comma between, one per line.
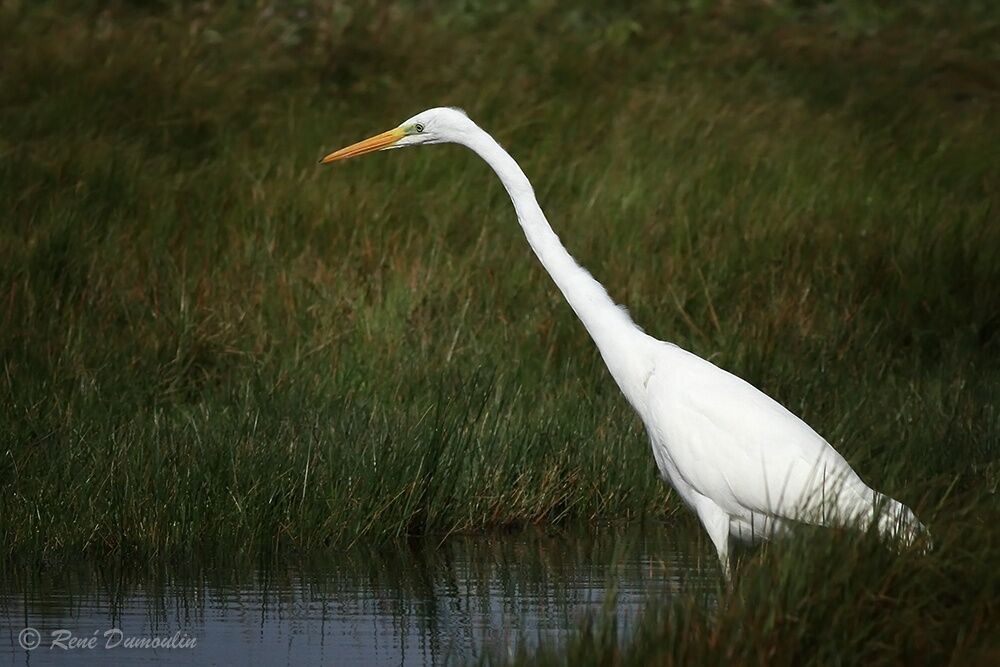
x=745, y=464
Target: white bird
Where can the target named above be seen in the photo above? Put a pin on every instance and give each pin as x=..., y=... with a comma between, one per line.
x=746, y=465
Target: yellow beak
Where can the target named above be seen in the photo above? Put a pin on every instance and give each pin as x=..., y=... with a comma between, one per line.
x=376, y=143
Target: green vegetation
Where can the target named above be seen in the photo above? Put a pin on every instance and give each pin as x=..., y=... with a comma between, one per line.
x=824, y=600
x=206, y=340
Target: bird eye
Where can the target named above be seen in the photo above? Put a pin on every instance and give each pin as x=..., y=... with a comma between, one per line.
x=419, y=127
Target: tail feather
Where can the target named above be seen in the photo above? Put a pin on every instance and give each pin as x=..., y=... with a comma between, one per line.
x=858, y=505
x=898, y=523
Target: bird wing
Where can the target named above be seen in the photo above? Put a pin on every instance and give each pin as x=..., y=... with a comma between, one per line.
x=739, y=447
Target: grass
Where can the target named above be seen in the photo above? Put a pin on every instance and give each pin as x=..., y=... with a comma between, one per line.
x=208, y=341
x=824, y=600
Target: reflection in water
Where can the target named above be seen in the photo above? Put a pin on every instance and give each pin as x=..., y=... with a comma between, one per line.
x=425, y=602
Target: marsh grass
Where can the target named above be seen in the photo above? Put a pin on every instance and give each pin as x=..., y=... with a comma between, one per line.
x=209, y=343
x=819, y=599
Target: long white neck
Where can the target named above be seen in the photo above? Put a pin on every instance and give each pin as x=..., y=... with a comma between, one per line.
x=606, y=322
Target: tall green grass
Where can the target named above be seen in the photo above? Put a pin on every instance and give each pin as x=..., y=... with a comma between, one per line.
x=206, y=341
x=816, y=599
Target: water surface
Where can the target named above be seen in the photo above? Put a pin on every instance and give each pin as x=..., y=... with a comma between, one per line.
x=424, y=602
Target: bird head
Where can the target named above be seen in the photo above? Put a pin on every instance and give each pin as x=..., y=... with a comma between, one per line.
x=434, y=126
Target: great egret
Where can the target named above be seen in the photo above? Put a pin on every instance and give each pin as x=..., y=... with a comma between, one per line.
x=746, y=465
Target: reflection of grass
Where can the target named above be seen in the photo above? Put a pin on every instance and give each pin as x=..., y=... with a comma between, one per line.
x=208, y=341
x=437, y=588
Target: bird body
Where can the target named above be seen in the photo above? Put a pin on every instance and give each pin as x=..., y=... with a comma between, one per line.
x=746, y=465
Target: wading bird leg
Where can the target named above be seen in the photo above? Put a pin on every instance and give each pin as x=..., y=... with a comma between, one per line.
x=716, y=522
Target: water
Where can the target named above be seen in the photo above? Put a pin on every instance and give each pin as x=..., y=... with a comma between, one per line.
x=421, y=603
